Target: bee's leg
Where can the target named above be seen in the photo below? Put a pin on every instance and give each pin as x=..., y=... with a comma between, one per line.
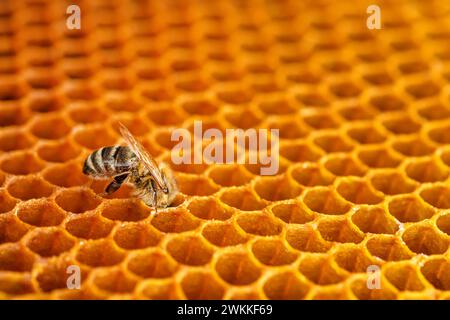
x=155, y=197
x=116, y=183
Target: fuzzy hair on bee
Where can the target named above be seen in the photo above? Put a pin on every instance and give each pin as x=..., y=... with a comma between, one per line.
x=154, y=183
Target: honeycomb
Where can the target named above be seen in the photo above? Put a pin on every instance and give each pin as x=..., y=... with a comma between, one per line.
x=364, y=120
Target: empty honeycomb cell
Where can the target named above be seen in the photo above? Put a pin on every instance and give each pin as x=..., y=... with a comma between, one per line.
x=11, y=140
x=413, y=66
x=175, y=220
x=65, y=175
x=437, y=195
x=354, y=112
x=7, y=203
x=320, y=120
x=259, y=224
x=82, y=112
x=391, y=182
x=242, y=198
x=332, y=143
x=273, y=252
x=320, y=269
x=400, y=124
x=224, y=234
x=310, y=175
x=158, y=115
x=120, y=102
x=229, y=175
x=236, y=267
x=403, y=276
x=209, y=208
x=132, y=236
x=15, y=257
x=80, y=90
x=440, y=133
x=353, y=258
x=310, y=99
x=371, y=219
x=409, y=208
x=276, y=188
x=11, y=89
x=432, y=112
x=29, y=187
x=343, y=165
x=113, y=280
x=93, y=137
x=152, y=264
x=189, y=250
x=77, y=200
x=49, y=242
x=326, y=201
x=385, y=102
x=201, y=285
x=285, y=286
x=125, y=210
x=423, y=238
x=422, y=89
x=89, y=226
x=200, y=106
x=345, y=89
x=339, y=230
x=379, y=157
x=437, y=272
x=366, y=134
x=426, y=170
x=50, y=127
x=244, y=119
x=160, y=290
x=40, y=213
x=11, y=228
x=58, y=151
x=193, y=185
x=414, y=147
x=306, y=238
x=276, y=106
x=288, y=128
x=388, y=248
x=299, y=152
x=292, y=212
x=99, y=253
x=443, y=223
x=378, y=78
x=21, y=163
x=358, y=191
x=16, y=284
x=361, y=291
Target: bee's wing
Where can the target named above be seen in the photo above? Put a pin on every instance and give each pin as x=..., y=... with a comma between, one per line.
x=142, y=155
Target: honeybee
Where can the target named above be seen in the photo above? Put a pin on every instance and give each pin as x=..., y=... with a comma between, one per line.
x=154, y=184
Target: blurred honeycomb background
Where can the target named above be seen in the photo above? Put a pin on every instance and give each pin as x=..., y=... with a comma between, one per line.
x=364, y=120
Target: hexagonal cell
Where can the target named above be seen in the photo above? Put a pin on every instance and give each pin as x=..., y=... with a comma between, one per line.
x=189, y=250
x=159, y=290
x=194, y=185
x=353, y=258
x=223, y=234
x=175, y=220
x=325, y=200
x=93, y=137
x=389, y=248
x=289, y=129
x=310, y=175
x=125, y=210
x=229, y=175
x=285, y=286
x=58, y=151
x=370, y=219
x=361, y=291
x=82, y=112
x=158, y=115
x=201, y=285
x=400, y=124
x=434, y=111
x=113, y=280
x=319, y=269
x=89, y=226
x=7, y=203
x=391, y=182
x=437, y=272
x=242, y=198
x=386, y=102
x=15, y=257
x=99, y=253
x=358, y=191
x=21, y=163
x=409, y=208
x=152, y=264
x=273, y=252
x=343, y=165
x=209, y=209
x=440, y=133
x=339, y=230
x=235, y=267
x=443, y=223
x=426, y=170
x=16, y=284
x=320, y=120
x=437, y=195
x=378, y=157
x=259, y=224
x=404, y=276
x=306, y=238
x=235, y=97
x=423, y=238
x=49, y=241
x=15, y=139
x=11, y=228
x=65, y=175
x=276, y=188
x=312, y=99
x=199, y=106
x=276, y=106
x=77, y=200
x=292, y=213
x=13, y=114
x=29, y=187
x=133, y=236
x=355, y=112
x=120, y=102
x=44, y=101
x=366, y=134
x=332, y=142
x=244, y=119
x=412, y=147
x=423, y=89
x=50, y=127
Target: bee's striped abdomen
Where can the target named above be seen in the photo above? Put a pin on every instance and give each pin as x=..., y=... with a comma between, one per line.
x=109, y=161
